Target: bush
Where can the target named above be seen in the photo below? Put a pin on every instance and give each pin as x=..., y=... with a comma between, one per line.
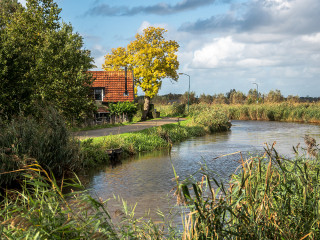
x=44, y=138
x=119, y=108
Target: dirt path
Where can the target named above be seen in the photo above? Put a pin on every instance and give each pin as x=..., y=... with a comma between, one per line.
x=125, y=129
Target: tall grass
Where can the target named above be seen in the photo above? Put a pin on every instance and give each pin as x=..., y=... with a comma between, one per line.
x=293, y=112
x=172, y=110
x=41, y=210
x=269, y=198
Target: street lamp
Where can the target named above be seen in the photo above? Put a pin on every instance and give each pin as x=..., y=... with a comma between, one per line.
x=257, y=92
x=189, y=88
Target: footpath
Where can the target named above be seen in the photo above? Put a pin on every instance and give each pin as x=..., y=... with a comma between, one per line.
x=125, y=129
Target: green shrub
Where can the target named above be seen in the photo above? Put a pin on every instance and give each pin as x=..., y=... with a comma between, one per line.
x=45, y=139
x=119, y=108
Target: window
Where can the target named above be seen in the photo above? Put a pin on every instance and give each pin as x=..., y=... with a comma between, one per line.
x=98, y=94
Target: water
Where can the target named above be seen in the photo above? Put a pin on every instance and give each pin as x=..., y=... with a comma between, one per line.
x=147, y=178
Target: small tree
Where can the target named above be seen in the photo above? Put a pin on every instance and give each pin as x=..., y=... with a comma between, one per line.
x=151, y=57
x=293, y=99
x=228, y=94
x=237, y=97
x=220, y=99
x=192, y=98
x=274, y=97
x=252, y=96
x=205, y=98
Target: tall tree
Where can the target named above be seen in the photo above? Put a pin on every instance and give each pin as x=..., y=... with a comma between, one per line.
x=151, y=57
x=42, y=60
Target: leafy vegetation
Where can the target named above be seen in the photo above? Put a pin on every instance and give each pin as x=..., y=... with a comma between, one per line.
x=47, y=140
x=119, y=108
x=42, y=60
x=301, y=112
x=150, y=57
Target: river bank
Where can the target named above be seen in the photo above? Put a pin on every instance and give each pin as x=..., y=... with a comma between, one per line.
x=150, y=174
x=160, y=137
x=270, y=197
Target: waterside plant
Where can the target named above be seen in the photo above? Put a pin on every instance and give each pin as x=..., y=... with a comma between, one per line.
x=289, y=112
x=41, y=210
x=285, y=111
x=270, y=197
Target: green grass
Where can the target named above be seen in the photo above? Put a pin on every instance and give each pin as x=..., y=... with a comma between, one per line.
x=157, y=138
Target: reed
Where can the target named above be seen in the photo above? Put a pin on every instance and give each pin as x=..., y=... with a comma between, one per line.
x=41, y=210
x=270, y=197
x=290, y=112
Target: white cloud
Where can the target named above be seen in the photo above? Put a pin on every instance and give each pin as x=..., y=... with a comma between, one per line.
x=23, y=2
x=220, y=52
x=313, y=38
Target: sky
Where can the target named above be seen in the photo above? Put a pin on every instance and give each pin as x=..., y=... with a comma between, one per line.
x=224, y=44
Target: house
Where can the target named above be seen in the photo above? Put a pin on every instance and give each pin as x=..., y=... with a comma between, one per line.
x=111, y=87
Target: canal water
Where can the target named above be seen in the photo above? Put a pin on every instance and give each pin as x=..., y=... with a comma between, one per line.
x=146, y=179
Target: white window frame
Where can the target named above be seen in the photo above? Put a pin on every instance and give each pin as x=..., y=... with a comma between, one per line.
x=102, y=93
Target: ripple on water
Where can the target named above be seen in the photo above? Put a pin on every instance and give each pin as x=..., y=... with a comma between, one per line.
x=147, y=178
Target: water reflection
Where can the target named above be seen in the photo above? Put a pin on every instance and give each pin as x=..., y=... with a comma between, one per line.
x=147, y=178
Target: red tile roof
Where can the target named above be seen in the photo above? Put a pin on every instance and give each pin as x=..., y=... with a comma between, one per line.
x=114, y=84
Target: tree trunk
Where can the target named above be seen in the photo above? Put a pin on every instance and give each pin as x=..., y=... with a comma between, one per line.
x=146, y=107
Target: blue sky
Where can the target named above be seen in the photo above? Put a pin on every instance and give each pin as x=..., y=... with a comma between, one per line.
x=224, y=44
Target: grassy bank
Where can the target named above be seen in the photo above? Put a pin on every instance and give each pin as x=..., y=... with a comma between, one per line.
x=41, y=210
x=209, y=121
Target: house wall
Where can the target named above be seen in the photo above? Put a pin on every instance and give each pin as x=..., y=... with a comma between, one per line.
x=113, y=83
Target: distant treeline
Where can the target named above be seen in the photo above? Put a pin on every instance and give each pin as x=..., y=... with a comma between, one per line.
x=231, y=97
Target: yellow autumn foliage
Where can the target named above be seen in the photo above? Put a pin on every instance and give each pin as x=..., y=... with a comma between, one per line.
x=150, y=56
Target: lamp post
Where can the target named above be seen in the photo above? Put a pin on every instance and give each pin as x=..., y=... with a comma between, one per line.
x=189, y=88
x=257, y=92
